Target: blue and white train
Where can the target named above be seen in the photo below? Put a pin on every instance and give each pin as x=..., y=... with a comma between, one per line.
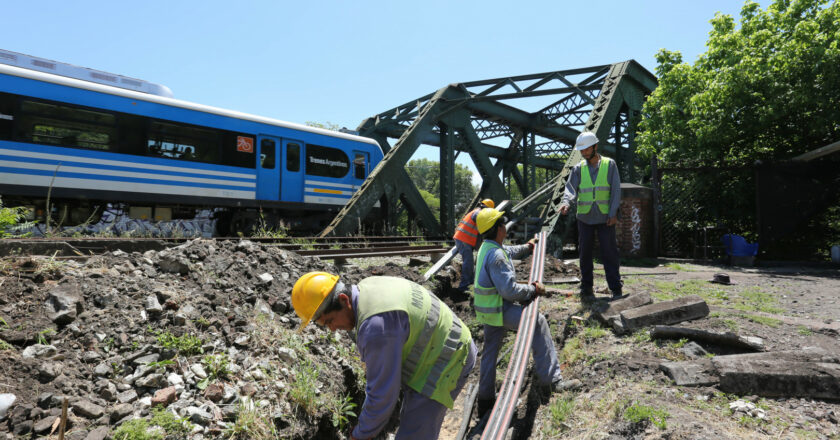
x=84, y=138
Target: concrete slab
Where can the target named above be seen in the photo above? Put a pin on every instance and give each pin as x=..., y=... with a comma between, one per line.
x=746, y=343
x=603, y=311
x=664, y=313
x=700, y=372
x=775, y=378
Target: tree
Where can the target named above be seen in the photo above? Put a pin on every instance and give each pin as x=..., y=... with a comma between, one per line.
x=425, y=174
x=765, y=90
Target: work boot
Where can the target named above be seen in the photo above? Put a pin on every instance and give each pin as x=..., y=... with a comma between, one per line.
x=616, y=294
x=484, y=406
x=586, y=295
x=566, y=385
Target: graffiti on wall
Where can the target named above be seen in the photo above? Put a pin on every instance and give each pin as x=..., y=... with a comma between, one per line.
x=636, y=236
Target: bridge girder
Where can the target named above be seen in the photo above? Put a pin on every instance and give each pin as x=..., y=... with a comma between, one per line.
x=476, y=117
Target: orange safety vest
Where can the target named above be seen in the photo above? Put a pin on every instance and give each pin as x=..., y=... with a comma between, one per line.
x=467, y=231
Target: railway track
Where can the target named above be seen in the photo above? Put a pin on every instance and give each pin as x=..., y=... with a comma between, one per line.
x=337, y=248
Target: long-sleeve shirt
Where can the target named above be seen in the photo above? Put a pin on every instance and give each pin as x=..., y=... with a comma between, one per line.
x=594, y=216
x=380, y=340
x=497, y=271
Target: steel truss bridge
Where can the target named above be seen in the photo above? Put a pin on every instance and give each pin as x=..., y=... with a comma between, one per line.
x=479, y=118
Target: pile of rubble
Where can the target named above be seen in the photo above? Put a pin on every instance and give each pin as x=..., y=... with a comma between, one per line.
x=204, y=330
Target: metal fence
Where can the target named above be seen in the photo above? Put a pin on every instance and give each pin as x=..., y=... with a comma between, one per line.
x=698, y=205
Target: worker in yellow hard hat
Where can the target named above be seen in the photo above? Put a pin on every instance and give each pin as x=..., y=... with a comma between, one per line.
x=496, y=294
x=466, y=238
x=394, y=319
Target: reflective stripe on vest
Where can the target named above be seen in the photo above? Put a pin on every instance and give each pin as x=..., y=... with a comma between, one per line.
x=487, y=301
x=467, y=231
x=438, y=343
x=597, y=193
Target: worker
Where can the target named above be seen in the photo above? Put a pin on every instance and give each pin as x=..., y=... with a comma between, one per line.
x=595, y=181
x=466, y=238
x=407, y=338
x=496, y=292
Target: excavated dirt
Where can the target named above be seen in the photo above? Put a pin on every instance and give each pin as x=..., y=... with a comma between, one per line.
x=109, y=332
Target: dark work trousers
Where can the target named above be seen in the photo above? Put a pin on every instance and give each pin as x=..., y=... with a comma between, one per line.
x=609, y=253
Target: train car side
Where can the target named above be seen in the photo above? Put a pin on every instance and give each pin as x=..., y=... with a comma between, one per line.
x=87, y=143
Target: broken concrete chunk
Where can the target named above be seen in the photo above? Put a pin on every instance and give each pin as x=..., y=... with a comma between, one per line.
x=719, y=338
x=667, y=312
x=696, y=373
x=64, y=304
x=780, y=378
x=603, y=311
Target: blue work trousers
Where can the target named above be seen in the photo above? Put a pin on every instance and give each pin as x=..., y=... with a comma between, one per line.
x=542, y=346
x=467, y=264
x=609, y=253
x=421, y=417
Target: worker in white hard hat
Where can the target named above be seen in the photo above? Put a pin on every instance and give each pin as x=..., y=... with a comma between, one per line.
x=408, y=340
x=595, y=186
x=466, y=237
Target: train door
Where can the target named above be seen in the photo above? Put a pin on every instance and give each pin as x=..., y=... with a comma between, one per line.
x=268, y=176
x=292, y=170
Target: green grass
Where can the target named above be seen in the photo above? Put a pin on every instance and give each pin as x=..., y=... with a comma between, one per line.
x=753, y=299
x=572, y=351
x=172, y=424
x=560, y=410
x=186, y=345
x=138, y=429
x=677, y=267
x=804, y=331
x=637, y=413
x=302, y=389
x=770, y=322
x=250, y=424
x=591, y=333
x=5, y=346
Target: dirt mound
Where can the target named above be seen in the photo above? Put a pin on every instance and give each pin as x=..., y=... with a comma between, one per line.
x=210, y=322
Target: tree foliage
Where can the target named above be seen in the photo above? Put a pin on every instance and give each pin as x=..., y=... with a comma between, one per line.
x=425, y=174
x=767, y=89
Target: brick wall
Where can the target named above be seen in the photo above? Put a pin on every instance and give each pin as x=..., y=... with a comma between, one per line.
x=635, y=221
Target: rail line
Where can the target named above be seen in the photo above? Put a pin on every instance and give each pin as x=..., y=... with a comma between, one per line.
x=502, y=412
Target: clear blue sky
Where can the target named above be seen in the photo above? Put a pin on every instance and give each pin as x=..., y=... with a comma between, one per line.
x=342, y=61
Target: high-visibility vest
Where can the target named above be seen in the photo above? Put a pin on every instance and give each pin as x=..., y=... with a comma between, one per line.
x=438, y=343
x=487, y=301
x=467, y=231
x=594, y=194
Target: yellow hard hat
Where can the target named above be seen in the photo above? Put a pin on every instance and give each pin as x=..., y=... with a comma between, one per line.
x=488, y=203
x=309, y=293
x=486, y=218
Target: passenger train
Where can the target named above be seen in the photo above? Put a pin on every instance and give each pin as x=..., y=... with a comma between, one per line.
x=83, y=138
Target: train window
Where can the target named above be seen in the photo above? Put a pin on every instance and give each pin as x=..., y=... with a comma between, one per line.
x=326, y=161
x=237, y=157
x=183, y=142
x=54, y=124
x=7, y=115
x=293, y=157
x=267, y=153
x=359, y=167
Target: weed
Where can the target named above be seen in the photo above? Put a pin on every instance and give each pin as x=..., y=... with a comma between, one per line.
x=3, y=324
x=5, y=346
x=43, y=336
x=161, y=364
x=342, y=411
x=680, y=343
x=560, y=411
x=303, y=388
x=117, y=369
x=677, y=267
x=137, y=429
x=217, y=366
x=753, y=299
x=804, y=331
x=171, y=423
x=186, y=345
x=636, y=413
x=250, y=424
x=573, y=350
x=641, y=336
x=590, y=333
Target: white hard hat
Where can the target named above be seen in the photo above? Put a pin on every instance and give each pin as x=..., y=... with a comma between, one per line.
x=585, y=140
